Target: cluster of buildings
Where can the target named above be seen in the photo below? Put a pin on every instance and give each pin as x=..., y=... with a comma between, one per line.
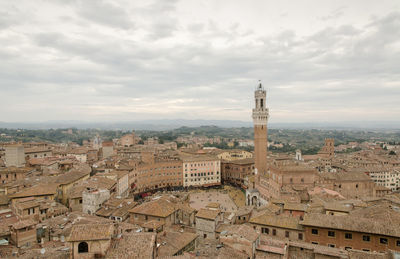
x=127, y=198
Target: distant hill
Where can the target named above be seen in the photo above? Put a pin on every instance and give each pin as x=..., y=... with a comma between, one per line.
x=137, y=125
x=177, y=123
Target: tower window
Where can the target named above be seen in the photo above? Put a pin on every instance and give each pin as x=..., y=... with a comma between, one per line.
x=261, y=103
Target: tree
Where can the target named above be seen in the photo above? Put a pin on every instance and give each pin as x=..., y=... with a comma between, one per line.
x=392, y=153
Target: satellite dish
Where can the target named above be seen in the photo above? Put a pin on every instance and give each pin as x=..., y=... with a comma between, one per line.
x=42, y=251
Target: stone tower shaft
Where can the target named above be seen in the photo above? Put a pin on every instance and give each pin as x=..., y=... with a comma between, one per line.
x=260, y=119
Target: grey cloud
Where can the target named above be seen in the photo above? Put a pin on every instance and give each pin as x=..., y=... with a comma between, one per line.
x=100, y=73
x=105, y=13
x=335, y=14
x=163, y=29
x=160, y=7
x=10, y=15
x=196, y=27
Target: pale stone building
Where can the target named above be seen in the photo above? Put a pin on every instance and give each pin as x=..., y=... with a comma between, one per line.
x=207, y=221
x=122, y=179
x=15, y=156
x=107, y=148
x=385, y=176
x=201, y=170
x=93, y=199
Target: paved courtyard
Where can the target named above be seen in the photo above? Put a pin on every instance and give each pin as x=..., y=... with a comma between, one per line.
x=200, y=200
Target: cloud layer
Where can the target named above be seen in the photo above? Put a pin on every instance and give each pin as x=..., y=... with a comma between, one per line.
x=122, y=60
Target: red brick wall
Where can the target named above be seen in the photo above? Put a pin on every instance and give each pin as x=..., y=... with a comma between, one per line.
x=356, y=242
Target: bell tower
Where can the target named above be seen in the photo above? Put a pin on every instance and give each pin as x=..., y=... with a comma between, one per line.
x=260, y=119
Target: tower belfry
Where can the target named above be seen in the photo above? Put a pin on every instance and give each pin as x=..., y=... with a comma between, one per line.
x=260, y=119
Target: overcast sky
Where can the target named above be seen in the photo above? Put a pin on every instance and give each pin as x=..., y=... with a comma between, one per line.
x=127, y=60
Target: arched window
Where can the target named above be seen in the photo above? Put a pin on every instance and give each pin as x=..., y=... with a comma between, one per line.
x=83, y=247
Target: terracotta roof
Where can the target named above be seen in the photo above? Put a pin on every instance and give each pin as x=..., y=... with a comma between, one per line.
x=66, y=162
x=387, y=227
x=245, y=210
x=294, y=168
x=115, y=202
x=76, y=191
x=295, y=206
x=198, y=158
x=154, y=224
x=105, y=212
x=24, y=224
x=37, y=190
x=383, y=211
x=41, y=161
x=26, y=204
x=324, y=191
x=348, y=176
x=186, y=208
x=229, y=253
x=96, y=182
x=72, y=176
x=244, y=161
x=173, y=242
x=84, y=232
x=36, y=150
x=117, y=173
x=124, y=210
x=270, y=208
x=334, y=206
x=78, y=151
x=134, y=246
x=268, y=219
x=159, y=208
x=310, y=157
x=243, y=231
x=207, y=214
x=4, y=199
